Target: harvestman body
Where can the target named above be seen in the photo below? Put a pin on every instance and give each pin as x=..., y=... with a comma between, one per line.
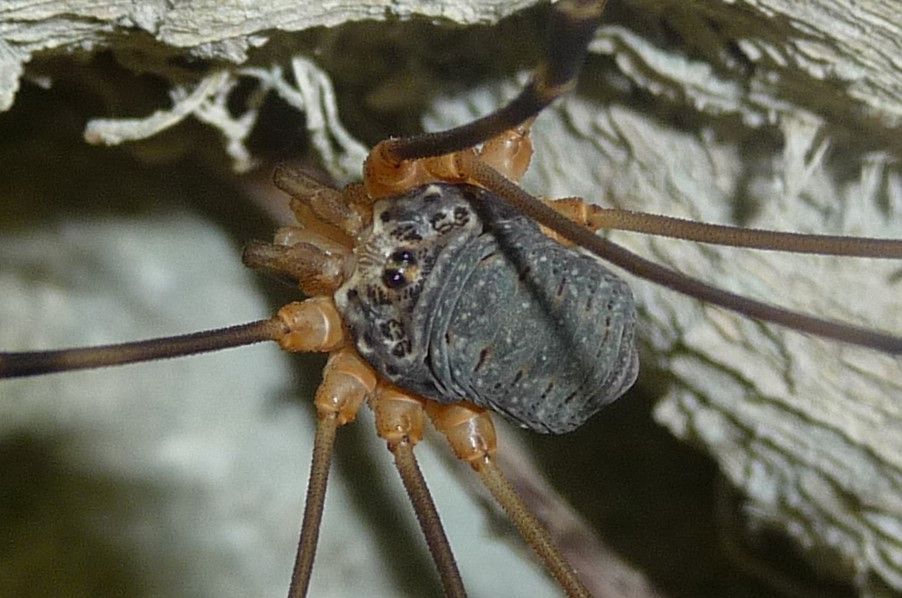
x=456, y=297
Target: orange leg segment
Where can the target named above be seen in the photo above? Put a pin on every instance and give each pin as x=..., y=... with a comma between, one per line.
x=384, y=176
x=510, y=152
x=311, y=325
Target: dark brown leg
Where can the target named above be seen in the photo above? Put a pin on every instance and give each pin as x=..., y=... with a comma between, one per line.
x=470, y=432
x=399, y=420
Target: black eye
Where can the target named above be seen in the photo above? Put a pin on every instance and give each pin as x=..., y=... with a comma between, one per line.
x=403, y=256
x=393, y=279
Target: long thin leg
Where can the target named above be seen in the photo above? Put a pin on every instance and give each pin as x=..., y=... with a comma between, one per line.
x=400, y=420
x=311, y=325
x=571, y=27
x=597, y=217
x=470, y=432
x=533, y=532
x=323, y=442
x=347, y=382
x=36, y=363
x=427, y=515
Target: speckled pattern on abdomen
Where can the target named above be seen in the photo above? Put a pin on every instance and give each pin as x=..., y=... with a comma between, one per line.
x=495, y=313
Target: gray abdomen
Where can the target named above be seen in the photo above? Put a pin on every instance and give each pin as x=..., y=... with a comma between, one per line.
x=493, y=312
x=539, y=333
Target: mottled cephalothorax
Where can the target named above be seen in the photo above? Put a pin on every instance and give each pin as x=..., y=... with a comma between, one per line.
x=458, y=297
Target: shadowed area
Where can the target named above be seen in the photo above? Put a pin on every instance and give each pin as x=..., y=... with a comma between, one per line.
x=59, y=535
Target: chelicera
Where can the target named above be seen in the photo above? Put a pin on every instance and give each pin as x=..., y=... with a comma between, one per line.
x=356, y=248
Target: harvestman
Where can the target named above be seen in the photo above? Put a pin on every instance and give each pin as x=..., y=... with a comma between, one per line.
x=333, y=251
